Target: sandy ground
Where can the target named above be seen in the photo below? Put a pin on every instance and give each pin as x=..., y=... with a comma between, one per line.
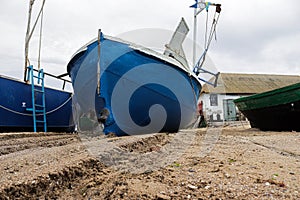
x=214, y=163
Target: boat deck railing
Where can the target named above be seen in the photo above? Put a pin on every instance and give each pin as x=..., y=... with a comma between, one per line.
x=60, y=77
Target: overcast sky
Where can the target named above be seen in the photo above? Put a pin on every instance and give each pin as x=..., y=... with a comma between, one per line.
x=253, y=36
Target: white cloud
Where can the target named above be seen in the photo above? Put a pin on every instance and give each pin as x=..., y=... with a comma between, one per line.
x=253, y=36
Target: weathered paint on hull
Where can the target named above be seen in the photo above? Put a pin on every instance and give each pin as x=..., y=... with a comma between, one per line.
x=117, y=61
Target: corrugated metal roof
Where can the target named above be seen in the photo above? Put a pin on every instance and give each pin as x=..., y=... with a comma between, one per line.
x=233, y=83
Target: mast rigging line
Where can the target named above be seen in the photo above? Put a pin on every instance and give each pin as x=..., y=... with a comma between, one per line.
x=208, y=40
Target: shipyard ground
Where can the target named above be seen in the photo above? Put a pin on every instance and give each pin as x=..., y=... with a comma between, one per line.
x=236, y=163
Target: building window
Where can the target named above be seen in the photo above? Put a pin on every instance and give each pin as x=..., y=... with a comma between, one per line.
x=213, y=100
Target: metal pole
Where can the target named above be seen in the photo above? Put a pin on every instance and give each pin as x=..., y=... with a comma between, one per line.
x=40, y=41
x=195, y=36
x=29, y=33
x=27, y=38
x=98, y=63
x=196, y=12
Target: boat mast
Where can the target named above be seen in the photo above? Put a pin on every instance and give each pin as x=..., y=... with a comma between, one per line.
x=29, y=33
x=26, y=38
x=201, y=6
x=194, y=36
x=198, y=66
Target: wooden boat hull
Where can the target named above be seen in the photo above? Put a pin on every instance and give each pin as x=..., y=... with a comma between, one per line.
x=276, y=110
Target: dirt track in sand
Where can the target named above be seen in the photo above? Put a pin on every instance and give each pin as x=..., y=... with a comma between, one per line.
x=232, y=163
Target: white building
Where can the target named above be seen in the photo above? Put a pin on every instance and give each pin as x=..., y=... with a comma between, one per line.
x=218, y=102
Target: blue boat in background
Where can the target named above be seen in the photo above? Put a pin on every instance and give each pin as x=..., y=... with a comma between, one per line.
x=30, y=106
x=16, y=98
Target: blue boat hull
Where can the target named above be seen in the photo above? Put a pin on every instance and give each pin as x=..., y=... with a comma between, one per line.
x=139, y=91
x=16, y=97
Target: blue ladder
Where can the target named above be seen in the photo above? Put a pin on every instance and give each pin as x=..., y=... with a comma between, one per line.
x=38, y=108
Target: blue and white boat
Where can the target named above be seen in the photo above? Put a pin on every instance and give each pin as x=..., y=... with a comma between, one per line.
x=132, y=80
x=131, y=89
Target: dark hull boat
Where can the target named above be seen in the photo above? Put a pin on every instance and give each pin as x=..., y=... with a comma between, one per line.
x=16, y=98
x=135, y=90
x=276, y=110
